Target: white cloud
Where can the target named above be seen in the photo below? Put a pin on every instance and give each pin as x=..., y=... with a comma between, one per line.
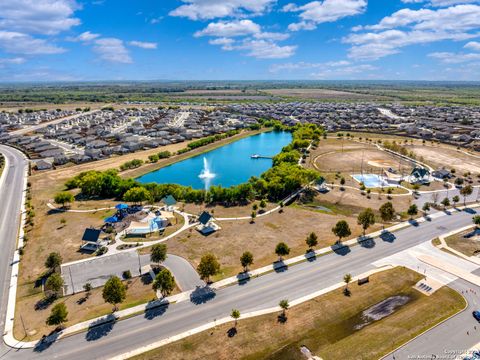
x=86, y=36
x=440, y=3
x=12, y=61
x=38, y=16
x=342, y=69
x=143, y=44
x=225, y=43
x=317, y=12
x=275, y=36
x=473, y=45
x=408, y=27
x=348, y=72
x=263, y=49
x=112, y=50
x=211, y=9
x=455, y=58
x=18, y=43
x=230, y=29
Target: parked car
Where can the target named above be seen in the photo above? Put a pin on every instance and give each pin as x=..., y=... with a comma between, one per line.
x=476, y=315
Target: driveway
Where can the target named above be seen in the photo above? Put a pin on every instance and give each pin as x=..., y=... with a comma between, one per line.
x=98, y=270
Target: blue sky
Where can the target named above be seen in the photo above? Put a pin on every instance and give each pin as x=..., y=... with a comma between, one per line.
x=70, y=40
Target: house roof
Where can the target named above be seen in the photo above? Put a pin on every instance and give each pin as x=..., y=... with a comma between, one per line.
x=169, y=200
x=204, y=218
x=420, y=172
x=91, y=235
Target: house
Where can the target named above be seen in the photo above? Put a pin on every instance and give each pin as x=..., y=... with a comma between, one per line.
x=419, y=175
x=43, y=165
x=441, y=174
x=207, y=226
x=91, y=239
x=169, y=202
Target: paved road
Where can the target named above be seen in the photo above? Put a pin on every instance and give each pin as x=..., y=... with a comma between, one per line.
x=113, y=339
x=10, y=203
x=97, y=271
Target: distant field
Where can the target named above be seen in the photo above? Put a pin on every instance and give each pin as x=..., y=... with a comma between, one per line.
x=322, y=94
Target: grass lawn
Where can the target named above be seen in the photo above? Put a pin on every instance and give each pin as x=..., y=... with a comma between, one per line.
x=139, y=291
x=292, y=227
x=325, y=325
x=467, y=246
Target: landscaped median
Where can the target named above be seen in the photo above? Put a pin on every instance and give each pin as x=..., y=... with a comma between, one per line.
x=328, y=323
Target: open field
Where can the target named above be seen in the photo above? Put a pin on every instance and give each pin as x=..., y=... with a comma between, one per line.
x=325, y=325
x=449, y=157
x=79, y=309
x=469, y=246
x=15, y=106
x=322, y=94
x=292, y=227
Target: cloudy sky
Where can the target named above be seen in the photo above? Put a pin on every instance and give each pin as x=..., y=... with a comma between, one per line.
x=69, y=40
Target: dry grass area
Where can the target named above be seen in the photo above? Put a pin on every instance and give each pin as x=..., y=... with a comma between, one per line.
x=442, y=155
x=351, y=202
x=325, y=325
x=333, y=155
x=50, y=235
x=469, y=246
x=139, y=291
x=320, y=94
x=219, y=211
x=292, y=227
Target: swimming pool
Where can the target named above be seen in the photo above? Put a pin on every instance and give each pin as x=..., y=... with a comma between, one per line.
x=371, y=180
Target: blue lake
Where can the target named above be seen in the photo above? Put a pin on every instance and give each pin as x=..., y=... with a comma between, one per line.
x=230, y=164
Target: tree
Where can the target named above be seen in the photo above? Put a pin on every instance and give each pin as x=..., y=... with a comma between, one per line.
x=412, y=210
x=342, y=182
x=387, y=212
x=88, y=288
x=341, y=230
x=235, y=314
x=165, y=282
x=153, y=158
x=263, y=204
x=416, y=187
x=366, y=218
x=209, y=266
x=114, y=291
x=54, y=283
x=476, y=220
x=282, y=249
x=284, y=305
x=455, y=200
x=254, y=207
x=426, y=208
x=137, y=195
x=466, y=191
x=347, y=278
x=158, y=253
x=312, y=240
x=253, y=215
x=53, y=261
x=64, y=198
x=58, y=315
x=246, y=260
x=446, y=202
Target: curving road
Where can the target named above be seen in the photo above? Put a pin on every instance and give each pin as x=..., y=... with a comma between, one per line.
x=108, y=340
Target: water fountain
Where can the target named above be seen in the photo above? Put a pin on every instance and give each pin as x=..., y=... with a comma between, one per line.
x=206, y=175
